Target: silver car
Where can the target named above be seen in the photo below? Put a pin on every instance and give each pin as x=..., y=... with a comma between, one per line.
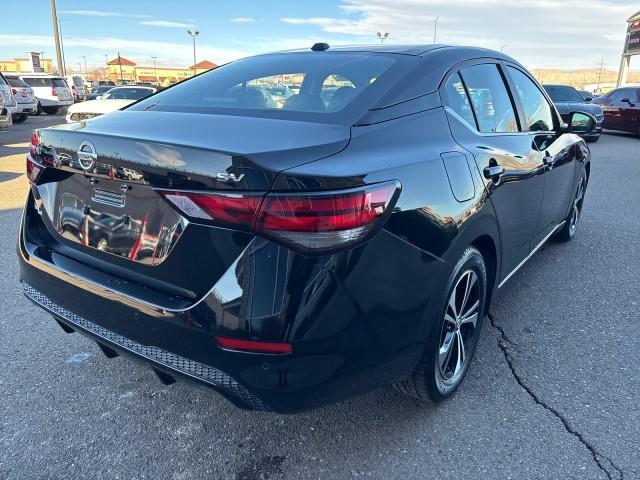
x=8, y=102
x=23, y=95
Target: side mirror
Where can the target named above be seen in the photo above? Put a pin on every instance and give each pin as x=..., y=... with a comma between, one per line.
x=581, y=123
x=588, y=99
x=627, y=100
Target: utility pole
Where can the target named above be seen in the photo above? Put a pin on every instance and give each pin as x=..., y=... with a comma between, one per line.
x=85, y=64
x=435, y=28
x=602, y=64
x=120, y=64
x=155, y=72
x=194, y=34
x=56, y=36
x=382, y=36
x=64, y=60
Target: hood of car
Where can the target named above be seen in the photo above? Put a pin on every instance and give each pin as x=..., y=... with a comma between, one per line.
x=99, y=106
x=568, y=107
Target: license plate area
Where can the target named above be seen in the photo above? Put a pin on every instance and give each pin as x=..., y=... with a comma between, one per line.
x=130, y=221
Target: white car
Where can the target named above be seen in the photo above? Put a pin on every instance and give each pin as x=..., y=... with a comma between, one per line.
x=114, y=99
x=51, y=91
x=9, y=103
x=5, y=115
x=76, y=82
x=23, y=95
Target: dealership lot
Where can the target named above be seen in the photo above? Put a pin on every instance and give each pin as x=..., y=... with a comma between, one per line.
x=552, y=393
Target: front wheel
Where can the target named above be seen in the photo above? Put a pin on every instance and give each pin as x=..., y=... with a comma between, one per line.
x=452, y=342
x=571, y=222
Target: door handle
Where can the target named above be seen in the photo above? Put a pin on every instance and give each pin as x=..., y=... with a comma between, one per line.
x=493, y=172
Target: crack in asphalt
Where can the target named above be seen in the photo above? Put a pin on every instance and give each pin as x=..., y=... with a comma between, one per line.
x=597, y=456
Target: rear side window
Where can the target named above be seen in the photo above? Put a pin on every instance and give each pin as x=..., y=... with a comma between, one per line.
x=490, y=99
x=38, y=81
x=456, y=98
x=322, y=87
x=59, y=82
x=537, y=112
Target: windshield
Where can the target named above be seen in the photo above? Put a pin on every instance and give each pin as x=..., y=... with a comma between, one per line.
x=560, y=93
x=308, y=86
x=127, y=93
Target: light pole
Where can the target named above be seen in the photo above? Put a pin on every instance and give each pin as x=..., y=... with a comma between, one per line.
x=155, y=72
x=502, y=47
x=435, y=28
x=85, y=64
x=194, y=34
x=64, y=61
x=56, y=36
x=382, y=36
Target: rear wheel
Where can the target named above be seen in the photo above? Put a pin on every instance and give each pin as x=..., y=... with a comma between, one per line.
x=571, y=222
x=20, y=118
x=453, y=339
x=50, y=110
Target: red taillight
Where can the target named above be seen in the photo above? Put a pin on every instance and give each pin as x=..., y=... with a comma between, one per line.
x=54, y=92
x=252, y=346
x=314, y=222
x=14, y=91
x=227, y=210
x=318, y=222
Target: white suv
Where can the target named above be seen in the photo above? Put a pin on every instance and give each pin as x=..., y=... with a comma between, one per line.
x=51, y=91
x=8, y=102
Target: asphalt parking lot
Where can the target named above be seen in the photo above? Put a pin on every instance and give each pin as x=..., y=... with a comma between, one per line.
x=553, y=392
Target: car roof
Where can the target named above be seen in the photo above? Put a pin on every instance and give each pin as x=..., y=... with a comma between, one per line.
x=556, y=85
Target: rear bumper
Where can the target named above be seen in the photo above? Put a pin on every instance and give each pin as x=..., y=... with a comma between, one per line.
x=354, y=320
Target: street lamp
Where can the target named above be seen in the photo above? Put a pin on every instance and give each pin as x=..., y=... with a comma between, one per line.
x=194, y=34
x=85, y=64
x=382, y=36
x=155, y=72
x=435, y=28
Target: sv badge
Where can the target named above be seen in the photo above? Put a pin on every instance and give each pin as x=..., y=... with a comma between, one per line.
x=229, y=177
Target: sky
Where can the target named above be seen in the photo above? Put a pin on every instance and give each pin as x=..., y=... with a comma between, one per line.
x=567, y=34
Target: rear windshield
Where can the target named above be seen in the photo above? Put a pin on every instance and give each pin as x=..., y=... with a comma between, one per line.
x=559, y=93
x=316, y=86
x=128, y=93
x=16, y=82
x=45, y=82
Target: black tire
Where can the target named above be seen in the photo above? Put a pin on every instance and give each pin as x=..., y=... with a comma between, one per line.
x=20, y=118
x=570, y=226
x=38, y=109
x=50, y=110
x=431, y=381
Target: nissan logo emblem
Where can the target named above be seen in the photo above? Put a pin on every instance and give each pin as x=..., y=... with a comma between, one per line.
x=87, y=156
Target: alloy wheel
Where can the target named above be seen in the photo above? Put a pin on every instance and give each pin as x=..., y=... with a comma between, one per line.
x=459, y=328
x=576, y=209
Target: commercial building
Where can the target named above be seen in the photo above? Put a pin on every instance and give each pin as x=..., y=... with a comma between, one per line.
x=24, y=65
x=121, y=68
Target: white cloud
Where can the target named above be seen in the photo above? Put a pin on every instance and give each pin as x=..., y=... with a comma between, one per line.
x=140, y=51
x=242, y=20
x=166, y=24
x=539, y=33
x=100, y=13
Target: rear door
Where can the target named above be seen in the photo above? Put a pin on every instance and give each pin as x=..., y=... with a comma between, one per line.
x=554, y=150
x=630, y=112
x=484, y=121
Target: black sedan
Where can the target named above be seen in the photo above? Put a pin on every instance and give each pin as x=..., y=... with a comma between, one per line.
x=292, y=254
x=567, y=100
